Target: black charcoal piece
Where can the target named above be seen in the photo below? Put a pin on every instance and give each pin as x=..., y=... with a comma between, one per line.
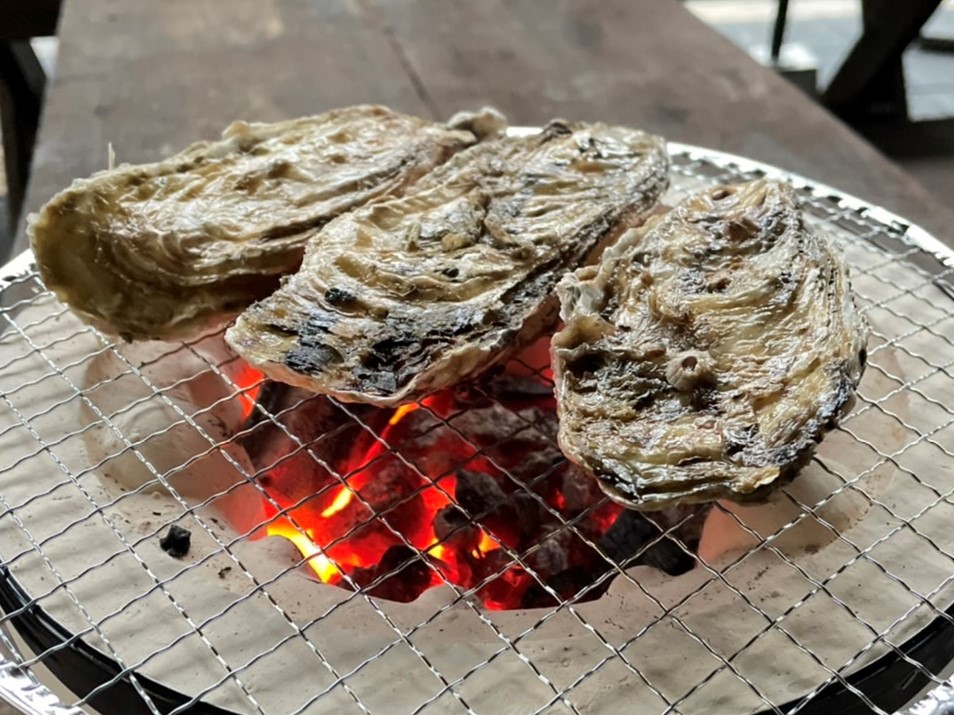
x=405, y=575
x=626, y=543
x=453, y=529
x=449, y=520
x=271, y=396
x=479, y=493
x=549, y=558
x=566, y=584
x=176, y=542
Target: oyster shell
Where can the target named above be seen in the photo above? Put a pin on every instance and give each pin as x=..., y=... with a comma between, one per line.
x=163, y=250
x=407, y=296
x=708, y=352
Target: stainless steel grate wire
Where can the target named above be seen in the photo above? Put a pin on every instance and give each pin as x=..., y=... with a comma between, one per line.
x=884, y=239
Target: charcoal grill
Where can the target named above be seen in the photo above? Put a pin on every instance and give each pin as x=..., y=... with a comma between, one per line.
x=837, y=596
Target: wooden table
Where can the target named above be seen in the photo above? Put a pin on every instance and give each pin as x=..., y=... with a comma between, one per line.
x=150, y=77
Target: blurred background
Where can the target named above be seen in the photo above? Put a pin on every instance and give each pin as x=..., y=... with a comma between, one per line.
x=817, y=39
x=885, y=67
x=819, y=34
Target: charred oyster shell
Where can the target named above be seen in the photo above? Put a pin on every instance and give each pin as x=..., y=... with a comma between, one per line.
x=163, y=250
x=708, y=352
x=404, y=297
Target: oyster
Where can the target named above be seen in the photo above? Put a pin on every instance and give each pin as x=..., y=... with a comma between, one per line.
x=407, y=296
x=708, y=352
x=163, y=250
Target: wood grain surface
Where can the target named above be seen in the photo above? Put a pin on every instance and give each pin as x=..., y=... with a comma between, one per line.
x=153, y=77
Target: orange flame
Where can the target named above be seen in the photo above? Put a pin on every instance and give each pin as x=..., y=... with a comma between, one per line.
x=486, y=544
x=325, y=568
x=341, y=500
x=249, y=383
x=401, y=412
x=330, y=564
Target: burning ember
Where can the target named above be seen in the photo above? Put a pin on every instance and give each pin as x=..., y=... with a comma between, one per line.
x=468, y=489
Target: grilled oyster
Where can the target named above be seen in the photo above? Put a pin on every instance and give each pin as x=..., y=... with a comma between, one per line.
x=709, y=351
x=161, y=250
x=399, y=299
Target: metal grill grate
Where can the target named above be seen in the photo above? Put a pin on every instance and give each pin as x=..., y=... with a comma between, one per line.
x=835, y=595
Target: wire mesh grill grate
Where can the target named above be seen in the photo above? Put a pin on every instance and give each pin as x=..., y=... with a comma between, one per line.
x=787, y=603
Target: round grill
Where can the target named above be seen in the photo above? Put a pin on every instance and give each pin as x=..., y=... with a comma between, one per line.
x=835, y=596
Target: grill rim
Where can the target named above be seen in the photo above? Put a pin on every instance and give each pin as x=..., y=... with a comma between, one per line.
x=899, y=679
x=890, y=681
x=81, y=667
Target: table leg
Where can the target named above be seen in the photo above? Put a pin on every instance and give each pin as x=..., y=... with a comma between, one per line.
x=870, y=82
x=21, y=97
x=778, y=30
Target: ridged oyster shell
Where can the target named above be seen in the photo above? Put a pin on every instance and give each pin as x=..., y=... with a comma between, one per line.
x=404, y=297
x=164, y=250
x=708, y=352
